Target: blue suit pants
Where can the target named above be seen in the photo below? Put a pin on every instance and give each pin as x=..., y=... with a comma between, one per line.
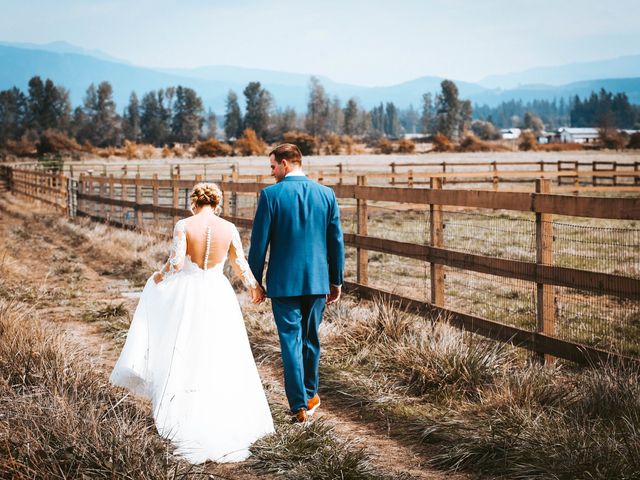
x=298, y=320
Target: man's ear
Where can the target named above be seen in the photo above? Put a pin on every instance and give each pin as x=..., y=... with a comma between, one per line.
x=284, y=163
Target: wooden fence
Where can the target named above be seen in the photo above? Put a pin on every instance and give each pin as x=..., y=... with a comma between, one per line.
x=141, y=202
x=569, y=175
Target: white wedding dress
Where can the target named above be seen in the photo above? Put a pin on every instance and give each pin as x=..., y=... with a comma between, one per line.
x=187, y=351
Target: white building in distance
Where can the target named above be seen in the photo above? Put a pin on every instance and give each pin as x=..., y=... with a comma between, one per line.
x=577, y=135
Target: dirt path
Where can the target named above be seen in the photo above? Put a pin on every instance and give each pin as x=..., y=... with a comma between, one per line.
x=75, y=282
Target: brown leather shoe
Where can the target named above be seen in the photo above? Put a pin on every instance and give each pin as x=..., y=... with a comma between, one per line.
x=313, y=404
x=300, y=416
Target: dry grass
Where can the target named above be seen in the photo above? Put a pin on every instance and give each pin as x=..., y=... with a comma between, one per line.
x=60, y=419
x=483, y=408
x=312, y=451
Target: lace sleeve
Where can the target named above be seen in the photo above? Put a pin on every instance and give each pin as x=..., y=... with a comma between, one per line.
x=238, y=262
x=178, y=251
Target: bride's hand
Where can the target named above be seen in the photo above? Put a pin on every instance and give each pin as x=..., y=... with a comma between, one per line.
x=157, y=277
x=257, y=295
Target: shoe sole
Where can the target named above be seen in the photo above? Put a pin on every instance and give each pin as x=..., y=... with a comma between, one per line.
x=313, y=410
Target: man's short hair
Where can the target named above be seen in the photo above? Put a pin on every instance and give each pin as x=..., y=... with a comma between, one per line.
x=287, y=151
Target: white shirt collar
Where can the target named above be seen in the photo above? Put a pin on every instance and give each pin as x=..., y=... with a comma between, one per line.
x=295, y=173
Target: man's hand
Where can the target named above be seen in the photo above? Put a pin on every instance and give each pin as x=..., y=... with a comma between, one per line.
x=257, y=295
x=334, y=294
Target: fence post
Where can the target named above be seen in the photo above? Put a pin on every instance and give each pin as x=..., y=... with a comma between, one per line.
x=234, y=195
x=124, y=195
x=436, y=228
x=63, y=192
x=102, y=208
x=545, y=301
x=175, y=197
x=494, y=178
x=225, y=196
x=340, y=173
x=410, y=179
x=362, y=255
x=138, y=201
x=393, y=173
x=111, y=196
x=155, y=193
x=636, y=168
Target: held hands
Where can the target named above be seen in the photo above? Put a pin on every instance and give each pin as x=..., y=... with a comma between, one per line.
x=257, y=295
x=334, y=294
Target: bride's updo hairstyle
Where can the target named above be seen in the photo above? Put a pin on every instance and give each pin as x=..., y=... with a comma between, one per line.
x=205, y=193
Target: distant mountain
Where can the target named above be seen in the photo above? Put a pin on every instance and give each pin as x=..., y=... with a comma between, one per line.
x=64, y=47
x=76, y=72
x=621, y=67
x=76, y=68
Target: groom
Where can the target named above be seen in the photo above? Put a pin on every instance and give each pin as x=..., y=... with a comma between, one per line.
x=298, y=220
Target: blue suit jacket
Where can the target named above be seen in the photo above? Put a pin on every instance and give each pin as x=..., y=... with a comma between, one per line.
x=299, y=221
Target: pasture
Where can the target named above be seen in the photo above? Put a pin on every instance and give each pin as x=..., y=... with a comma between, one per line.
x=408, y=394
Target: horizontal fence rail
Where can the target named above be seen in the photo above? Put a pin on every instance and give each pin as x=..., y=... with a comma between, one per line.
x=150, y=203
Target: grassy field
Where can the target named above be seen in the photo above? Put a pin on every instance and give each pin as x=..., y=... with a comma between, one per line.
x=457, y=402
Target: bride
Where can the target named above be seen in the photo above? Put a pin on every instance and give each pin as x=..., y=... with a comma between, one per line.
x=187, y=348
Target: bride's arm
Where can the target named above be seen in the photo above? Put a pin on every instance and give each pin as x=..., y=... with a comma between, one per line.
x=177, y=255
x=241, y=267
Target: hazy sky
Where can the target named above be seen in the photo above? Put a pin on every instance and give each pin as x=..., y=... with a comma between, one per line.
x=364, y=42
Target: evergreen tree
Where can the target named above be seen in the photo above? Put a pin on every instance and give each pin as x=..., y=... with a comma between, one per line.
x=106, y=123
x=317, y=118
x=391, y=123
x=187, y=118
x=232, y=117
x=335, y=118
x=48, y=106
x=448, y=110
x=377, y=120
x=211, y=124
x=257, y=108
x=409, y=120
x=13, y=114
x=350, y=115
x=155, y=115
x=428, y=114
x=131, y=119
x=466, y=113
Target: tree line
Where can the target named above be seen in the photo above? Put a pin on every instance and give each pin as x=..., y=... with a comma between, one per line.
x=177, y=115
x=600, y=109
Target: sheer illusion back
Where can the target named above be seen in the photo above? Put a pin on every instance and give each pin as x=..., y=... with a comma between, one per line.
x=206, y=243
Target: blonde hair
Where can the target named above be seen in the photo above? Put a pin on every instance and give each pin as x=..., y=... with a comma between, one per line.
x=206, y=193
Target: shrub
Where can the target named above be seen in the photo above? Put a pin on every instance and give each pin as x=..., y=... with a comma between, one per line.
x=249, y=145
x=385, y=146
x=471, y=143
x=213, y=148
x=178, y=151
x=56, y=142
x=347, y=141
x=166, y=152
x=148, y=151
x=333, y=145
x=528, y=141
x=130, y=150
x=634, y=141
x=406, y=146
x=612, y=139
x=22, y=147
x=307, y=143
x=442, y=143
